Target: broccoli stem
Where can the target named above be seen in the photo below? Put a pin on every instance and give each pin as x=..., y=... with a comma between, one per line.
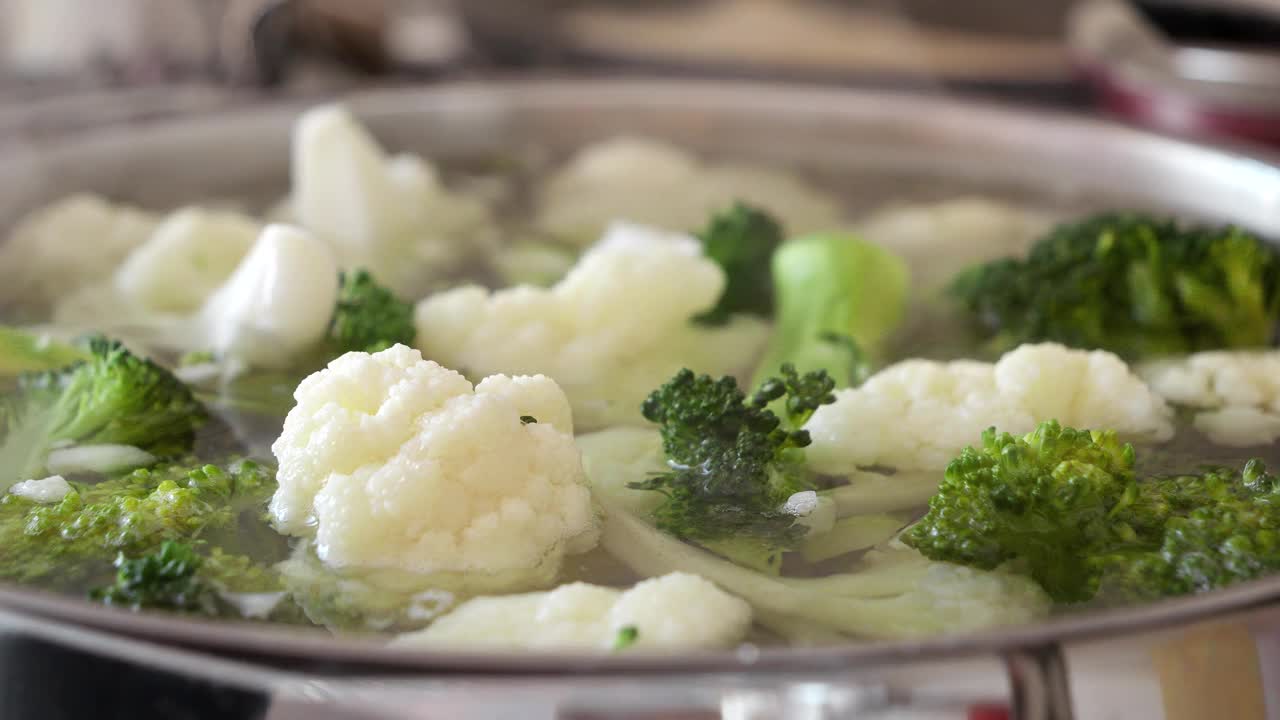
x=650, y=552
x=838, y=296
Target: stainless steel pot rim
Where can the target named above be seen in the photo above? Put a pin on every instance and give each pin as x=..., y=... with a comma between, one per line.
x=1019, y=128
x=289, y=646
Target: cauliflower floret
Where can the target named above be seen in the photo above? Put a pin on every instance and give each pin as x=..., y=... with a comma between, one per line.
x=651, y=182
x=389, y=215
x=274, y=306
x=189, y=255
x=918, y=414
x=391, y=461
x=616, y=327
x=1238, y=392
x=939, y=240
x=63, y=247
x=675, y=611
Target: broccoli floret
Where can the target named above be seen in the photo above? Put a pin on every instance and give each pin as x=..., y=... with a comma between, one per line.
x=742, y=240
x=167, y=579
x=133, y=514
x=368, y=316
x=1065, y=506
x=175, y=577
x=1045, y=499
x=113, y=397
x=1202, y=532
x=734, y=463
x=1133, y=284
x=838, y=300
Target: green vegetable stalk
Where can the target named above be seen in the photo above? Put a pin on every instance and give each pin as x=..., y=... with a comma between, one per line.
x=838, y=300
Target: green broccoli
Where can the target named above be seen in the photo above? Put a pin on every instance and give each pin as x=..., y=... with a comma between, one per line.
x=368, y=316
x=113, y=397
x=742, y=240
x=132, y=514
x=838, y=300
x=167, y=579
x=1046, y=499
x=1066, y=507
x=626, y=637
x=734, y=463
x=176, y=577
x=1130, y=283
x=1198, y=532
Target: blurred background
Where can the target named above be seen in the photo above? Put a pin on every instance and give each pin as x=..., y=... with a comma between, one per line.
x=1201, y=67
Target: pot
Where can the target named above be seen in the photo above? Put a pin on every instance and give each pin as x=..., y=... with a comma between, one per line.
x=873, y=146
x=1204, y=68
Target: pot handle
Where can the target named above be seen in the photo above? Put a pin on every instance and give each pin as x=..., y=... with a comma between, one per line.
x=1038, y=682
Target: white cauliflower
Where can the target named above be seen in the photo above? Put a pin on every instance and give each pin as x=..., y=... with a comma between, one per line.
x=192, y=252
x=394, y=462
x=677, y=611
x=939, y=240
x=654, y=183
x=65, y=246
x=389, y=215
x=275, y=306
x=918, y=414
x=616, y=327
x=1236, y=392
